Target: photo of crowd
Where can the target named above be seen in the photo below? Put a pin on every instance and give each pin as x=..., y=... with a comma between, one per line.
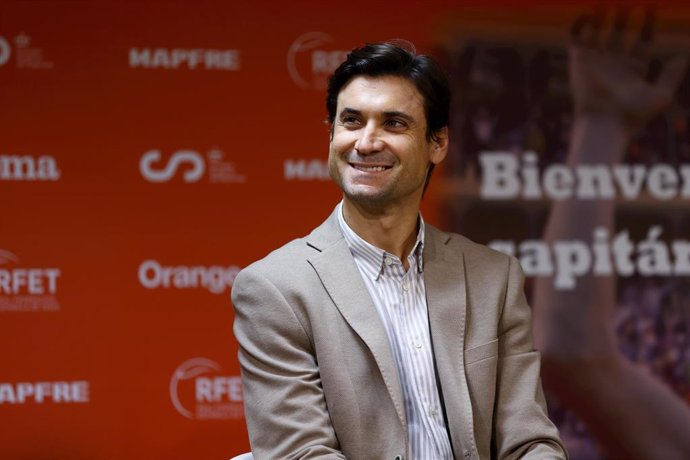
x=515, y=97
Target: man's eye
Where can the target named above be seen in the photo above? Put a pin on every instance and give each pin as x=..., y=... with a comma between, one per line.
x=350, y=121
x=394, y=123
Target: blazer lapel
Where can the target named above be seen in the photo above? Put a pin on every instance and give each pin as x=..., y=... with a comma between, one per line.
x=342, y=280
x=444, y=279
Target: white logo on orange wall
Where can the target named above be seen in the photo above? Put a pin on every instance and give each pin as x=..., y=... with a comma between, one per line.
x=306, y=170
x=198, y=390
x=77, y=391
x=182, y=157
x=216, y=279
x=311, y=61
x=27, y=288
x=193, y=166
x=28, y=168
x=24, y=53
x=5, y=51
x=184, y=58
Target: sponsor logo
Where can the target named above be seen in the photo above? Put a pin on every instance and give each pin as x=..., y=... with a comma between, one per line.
x=5, y=51
x=44, y=392
x=184, y=58
x=305, y=170
x=27, y=289
x=195, y=166
x=311, y=59
x=28, y=168
x=215, y=279
x=198, y=390
x=26, y=56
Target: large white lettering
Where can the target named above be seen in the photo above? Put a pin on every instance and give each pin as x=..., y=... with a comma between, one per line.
x=508, y=176
x=568, y=260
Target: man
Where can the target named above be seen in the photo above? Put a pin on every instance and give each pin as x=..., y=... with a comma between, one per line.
x=379, y=336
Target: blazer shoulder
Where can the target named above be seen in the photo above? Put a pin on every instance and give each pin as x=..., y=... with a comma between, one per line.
x=477, y=257
x=282, y=261
x=290, y=260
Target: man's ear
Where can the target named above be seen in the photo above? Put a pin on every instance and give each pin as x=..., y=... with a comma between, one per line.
x=439, y=148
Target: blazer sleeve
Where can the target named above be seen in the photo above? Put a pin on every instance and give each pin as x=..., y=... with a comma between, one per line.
x=284, y=403
x=522, y=426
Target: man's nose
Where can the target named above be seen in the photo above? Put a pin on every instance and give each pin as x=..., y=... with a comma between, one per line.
x=369, y=140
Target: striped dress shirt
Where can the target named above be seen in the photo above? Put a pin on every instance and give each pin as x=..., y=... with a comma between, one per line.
x=400, y=300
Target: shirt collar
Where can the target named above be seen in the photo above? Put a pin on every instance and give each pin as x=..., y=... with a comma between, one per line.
x=373, y=259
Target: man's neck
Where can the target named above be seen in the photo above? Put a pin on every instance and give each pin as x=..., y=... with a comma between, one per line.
x=393, y=229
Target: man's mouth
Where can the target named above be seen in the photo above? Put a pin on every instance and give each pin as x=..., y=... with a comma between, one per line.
x=369, y=168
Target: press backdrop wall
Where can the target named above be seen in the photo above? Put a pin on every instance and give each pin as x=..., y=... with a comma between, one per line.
x=149, y=151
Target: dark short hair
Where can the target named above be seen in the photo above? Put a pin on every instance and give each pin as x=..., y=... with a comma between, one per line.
x=399, y=59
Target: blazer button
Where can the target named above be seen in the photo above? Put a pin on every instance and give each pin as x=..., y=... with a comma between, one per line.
x=398, y=457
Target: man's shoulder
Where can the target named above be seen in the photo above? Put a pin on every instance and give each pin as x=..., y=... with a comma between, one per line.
x=283, y=260
x=475, y=255
x=291, y=261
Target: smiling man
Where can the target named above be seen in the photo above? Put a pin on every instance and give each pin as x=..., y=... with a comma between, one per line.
x=377, y=335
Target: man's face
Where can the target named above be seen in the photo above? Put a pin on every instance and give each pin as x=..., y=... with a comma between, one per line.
x=379, y=152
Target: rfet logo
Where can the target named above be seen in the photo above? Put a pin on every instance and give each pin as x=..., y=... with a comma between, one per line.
x=191, y=165
x=312, y=58
x=198, y=390
x=27, y=288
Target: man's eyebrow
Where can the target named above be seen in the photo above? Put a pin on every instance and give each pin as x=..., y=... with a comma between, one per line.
x=387, y=114
x=349, y=111
x=396, y=113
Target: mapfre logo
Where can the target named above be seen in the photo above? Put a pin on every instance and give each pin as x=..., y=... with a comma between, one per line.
x=45, y=392
x=305, y=170
x=191, y=166
x=27, y=288
x=184, y=58
x=198, y=390
x=312, y=58
x=215, y=279
x=26, y=55
x=28, y=168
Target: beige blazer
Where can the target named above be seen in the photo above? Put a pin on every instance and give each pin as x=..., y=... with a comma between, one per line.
x=318, y=373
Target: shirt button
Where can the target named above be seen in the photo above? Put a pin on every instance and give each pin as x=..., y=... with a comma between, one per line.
x=405, y=286
x=389, y=261
x=433, y=412
x=417, y=343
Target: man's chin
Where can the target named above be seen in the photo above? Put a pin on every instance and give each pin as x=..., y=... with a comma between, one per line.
x=367, y=197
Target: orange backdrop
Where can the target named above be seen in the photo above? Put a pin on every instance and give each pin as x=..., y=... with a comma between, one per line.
x=148, y=151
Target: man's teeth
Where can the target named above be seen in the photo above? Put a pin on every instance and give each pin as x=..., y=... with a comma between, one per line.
x=371, y=168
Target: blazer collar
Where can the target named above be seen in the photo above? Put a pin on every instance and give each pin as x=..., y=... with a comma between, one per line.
x=342, y=280
x=445, y=282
